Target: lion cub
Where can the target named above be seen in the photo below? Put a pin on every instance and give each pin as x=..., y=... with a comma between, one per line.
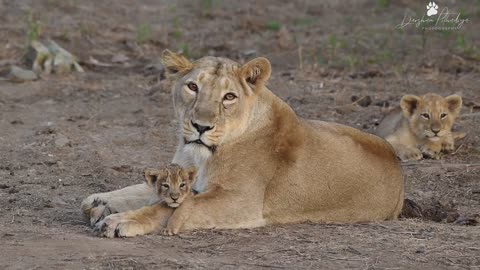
x=173, y=185
x=422, y=126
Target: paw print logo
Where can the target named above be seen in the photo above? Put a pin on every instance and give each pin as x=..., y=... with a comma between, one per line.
x=432, y=9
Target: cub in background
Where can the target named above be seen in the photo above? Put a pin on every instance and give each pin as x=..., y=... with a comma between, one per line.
x=422, y=126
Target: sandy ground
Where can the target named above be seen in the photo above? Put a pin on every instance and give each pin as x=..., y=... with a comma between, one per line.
x=64, y=137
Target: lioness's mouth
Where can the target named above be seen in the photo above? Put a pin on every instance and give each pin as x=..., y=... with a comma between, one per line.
x=212, y=148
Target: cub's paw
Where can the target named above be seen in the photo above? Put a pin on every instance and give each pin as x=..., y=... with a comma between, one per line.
x=430, y=152
x=168, y=232
x=129, y=228
x=448, y=147
x=410, y=154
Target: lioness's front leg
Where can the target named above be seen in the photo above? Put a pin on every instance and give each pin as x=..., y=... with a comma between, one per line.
x=97, y=206
x=137, y=222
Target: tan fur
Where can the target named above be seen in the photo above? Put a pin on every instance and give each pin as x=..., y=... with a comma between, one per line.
x=173, y=185
x=258, y=163
x=418, y=129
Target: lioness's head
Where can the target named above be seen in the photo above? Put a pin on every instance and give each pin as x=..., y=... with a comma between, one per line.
x=213, y=97
x=172, y=184
x=431, y=116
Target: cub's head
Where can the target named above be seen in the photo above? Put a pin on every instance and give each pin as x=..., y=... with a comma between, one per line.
x=172, y=183
x=213, y=97
x=431, y=116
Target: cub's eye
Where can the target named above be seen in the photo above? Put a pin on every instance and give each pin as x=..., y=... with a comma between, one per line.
x=182, y=185
x=425, y=115
x=165, y=186
x=192, y=86
x=443, y=115
x=229, y=96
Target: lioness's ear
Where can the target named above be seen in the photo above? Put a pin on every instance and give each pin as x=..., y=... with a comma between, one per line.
x=454, y=103
x=409, y=104
x=153, y=175
x=256, y=72
x=191, y=173
x=175, y=63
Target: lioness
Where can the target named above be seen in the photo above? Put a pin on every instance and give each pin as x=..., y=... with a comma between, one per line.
x=173, y=186
x=258, y=163
x=422, y=126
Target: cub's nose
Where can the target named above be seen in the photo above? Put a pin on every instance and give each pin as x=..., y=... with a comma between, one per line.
x=435, y=130
x=174, y=196
x=201, y=129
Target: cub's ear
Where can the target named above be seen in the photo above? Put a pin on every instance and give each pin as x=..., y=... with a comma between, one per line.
x=191, y=174
x=175, y=63
x=256, y=72
x=409, y=104
x=153, y=175
x=454, y=103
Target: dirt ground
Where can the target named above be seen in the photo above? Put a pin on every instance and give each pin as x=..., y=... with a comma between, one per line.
x=64, y=137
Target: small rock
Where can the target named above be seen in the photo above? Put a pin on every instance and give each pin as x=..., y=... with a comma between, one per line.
x=123, y=168
x=4, y=186
x=119, y=58
x=154, y=69
x=61, y=140
x=363, y=101
x=16, y=122
x=248, y=53
x=18, y=75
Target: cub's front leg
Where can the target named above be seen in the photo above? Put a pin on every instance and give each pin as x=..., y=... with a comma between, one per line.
x=179, y=217
x=448, y=144
x=432, y=149
x=132, y=223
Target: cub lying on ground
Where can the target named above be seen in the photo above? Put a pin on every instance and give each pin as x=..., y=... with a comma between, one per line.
x=422, y=126
x=173, y=185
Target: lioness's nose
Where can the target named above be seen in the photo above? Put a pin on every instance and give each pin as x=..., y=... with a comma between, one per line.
x=174, y=196
x=201, y=129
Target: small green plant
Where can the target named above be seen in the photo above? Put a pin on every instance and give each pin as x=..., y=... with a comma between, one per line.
x=34, y=27
x=185, y=49
x=304, y=22
x=352, y=61
x=273, y=25
x=461, y=43
x=383, y=3
x=333, y=45
x=208, y=4
x=65, y=35
x=144, y=33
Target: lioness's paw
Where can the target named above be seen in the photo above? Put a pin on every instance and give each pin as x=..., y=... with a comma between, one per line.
x=432, y=153
x=410, y=154
x=98, y=211
x=117, y=225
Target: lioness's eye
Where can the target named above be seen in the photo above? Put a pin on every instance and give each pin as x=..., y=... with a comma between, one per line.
x=425, y=115
x=443, y=115
x=182, y=185
x=165, y=186
x=192, y=86
x=229, y=96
